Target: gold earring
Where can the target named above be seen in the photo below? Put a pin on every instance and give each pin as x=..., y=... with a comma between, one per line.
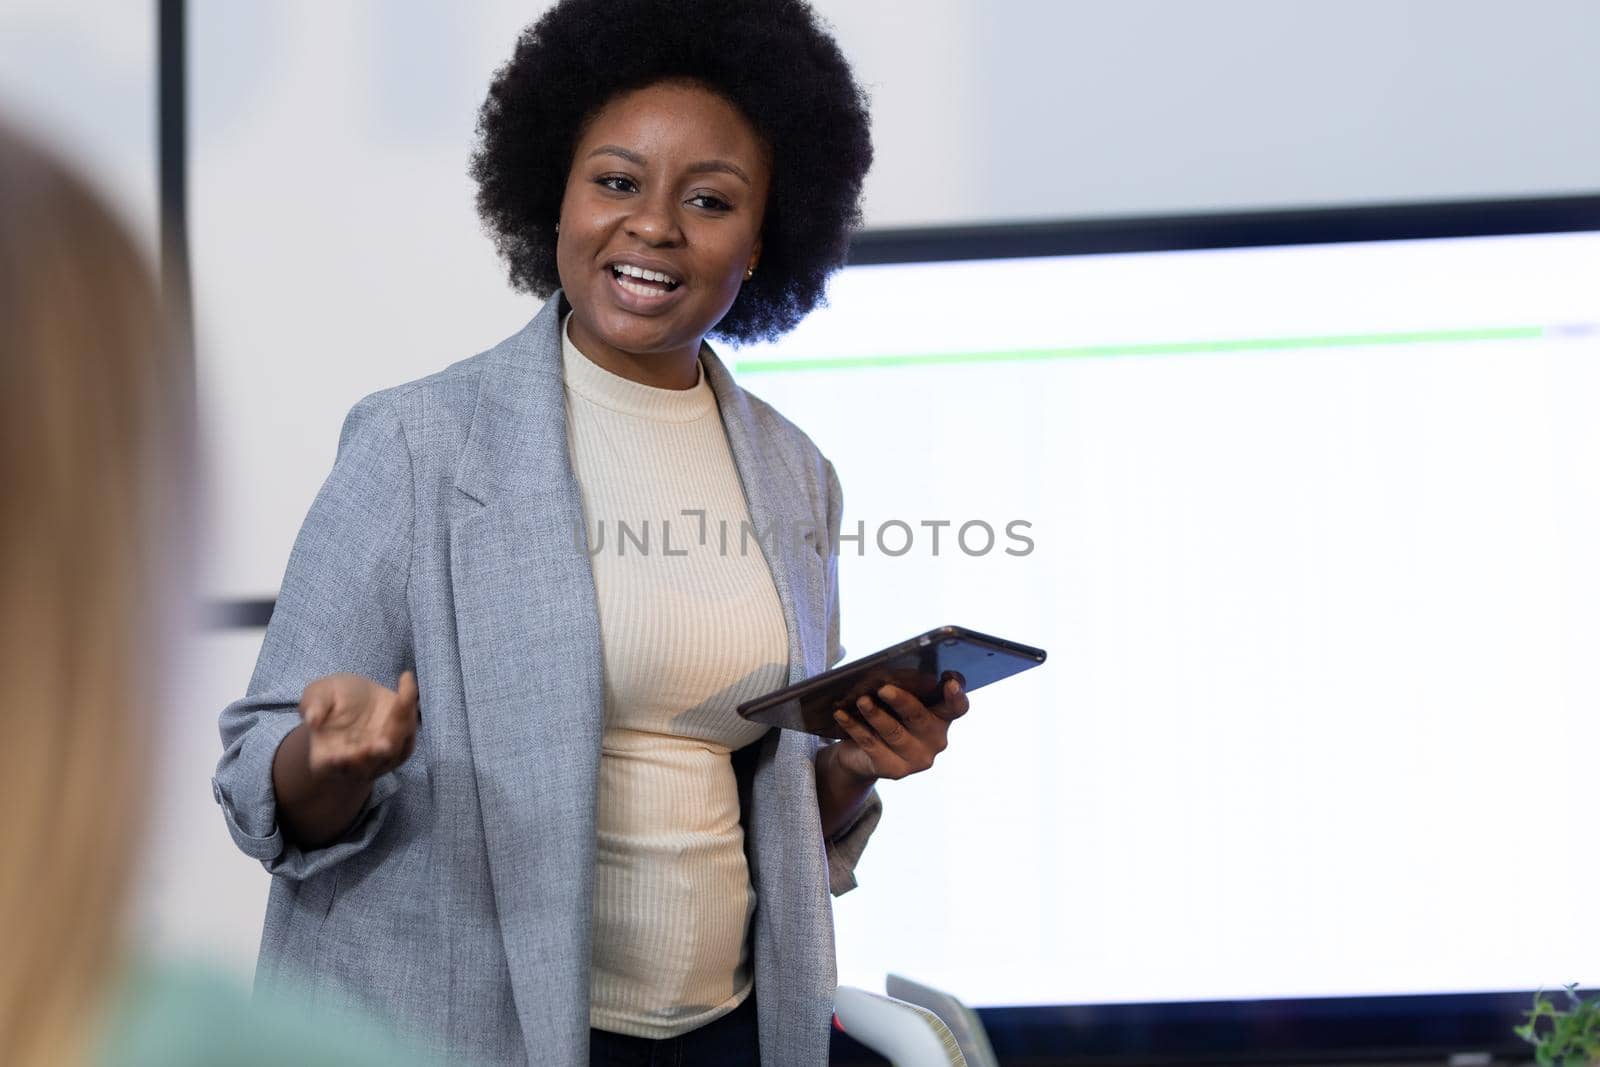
x=750, y=272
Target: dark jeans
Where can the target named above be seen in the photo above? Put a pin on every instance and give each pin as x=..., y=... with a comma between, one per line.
x=731, y=1040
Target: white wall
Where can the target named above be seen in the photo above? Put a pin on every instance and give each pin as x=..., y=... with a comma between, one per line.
x=1017, y=109
x=81, y=75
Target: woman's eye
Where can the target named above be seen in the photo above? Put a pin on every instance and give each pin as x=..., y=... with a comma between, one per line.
x=617, y=183
x=709, y=202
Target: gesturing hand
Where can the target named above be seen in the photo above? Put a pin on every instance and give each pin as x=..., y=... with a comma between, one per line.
x=885, y=745
x=359, y=729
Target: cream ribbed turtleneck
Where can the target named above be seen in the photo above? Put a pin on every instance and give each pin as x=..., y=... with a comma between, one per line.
x=686, y=638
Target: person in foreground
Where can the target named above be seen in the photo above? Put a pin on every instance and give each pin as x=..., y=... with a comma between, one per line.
x=490, y=751
x=94, y=526
x=90, y=407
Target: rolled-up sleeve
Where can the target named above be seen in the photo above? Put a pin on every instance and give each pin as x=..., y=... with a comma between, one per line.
x=845, y=847
x=342, y=608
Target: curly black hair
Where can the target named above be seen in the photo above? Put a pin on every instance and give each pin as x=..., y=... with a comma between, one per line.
x=769, y=58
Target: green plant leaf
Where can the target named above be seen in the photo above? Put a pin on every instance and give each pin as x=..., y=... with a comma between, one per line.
x=1563, y=1036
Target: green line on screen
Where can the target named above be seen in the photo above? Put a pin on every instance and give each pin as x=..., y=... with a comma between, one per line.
x=1156, y=348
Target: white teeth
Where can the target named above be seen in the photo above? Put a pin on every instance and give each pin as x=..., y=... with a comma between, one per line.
x=640, y=290
x=647, y=275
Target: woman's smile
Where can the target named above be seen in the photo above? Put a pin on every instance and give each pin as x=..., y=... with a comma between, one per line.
x=642, y=288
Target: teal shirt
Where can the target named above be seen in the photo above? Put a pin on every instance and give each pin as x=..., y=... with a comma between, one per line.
x=171, y=1014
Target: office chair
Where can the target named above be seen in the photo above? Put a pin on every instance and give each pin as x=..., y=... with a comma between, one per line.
x=964, y=1024
x=907, y=1035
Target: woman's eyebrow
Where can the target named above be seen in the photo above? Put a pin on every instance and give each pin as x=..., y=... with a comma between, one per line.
x=720, y=166
x=617, y=150
x=706, y=166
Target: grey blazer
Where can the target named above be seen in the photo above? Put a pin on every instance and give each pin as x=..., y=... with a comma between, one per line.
x=458, y=904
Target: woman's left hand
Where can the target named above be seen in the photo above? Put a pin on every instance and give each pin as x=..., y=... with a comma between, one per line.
x=885, y=745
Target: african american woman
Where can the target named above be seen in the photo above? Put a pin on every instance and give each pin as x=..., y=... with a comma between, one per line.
x=496, y=771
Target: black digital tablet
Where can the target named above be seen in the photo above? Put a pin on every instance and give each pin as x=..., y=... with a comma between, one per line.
x=918, y=665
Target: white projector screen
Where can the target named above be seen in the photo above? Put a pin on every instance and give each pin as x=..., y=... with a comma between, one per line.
x=1313, y=541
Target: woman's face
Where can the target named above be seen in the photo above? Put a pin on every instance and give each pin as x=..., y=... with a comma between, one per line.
x=670, y=180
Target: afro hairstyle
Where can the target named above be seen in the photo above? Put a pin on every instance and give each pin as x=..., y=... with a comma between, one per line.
x=770, y=58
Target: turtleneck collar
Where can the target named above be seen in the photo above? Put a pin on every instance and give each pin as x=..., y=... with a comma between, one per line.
x=599, y=386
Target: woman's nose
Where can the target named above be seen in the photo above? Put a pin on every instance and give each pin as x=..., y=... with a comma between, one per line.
x=655, y=222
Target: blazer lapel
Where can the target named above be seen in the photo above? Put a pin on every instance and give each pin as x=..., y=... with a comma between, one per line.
x=792, y=935
x=773, y=495
x=529, y=634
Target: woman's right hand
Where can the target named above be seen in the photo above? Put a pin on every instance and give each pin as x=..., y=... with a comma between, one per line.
x=357, y=729
x=352, y=731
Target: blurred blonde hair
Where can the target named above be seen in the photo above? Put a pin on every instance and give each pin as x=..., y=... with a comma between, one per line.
x=94, y=431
